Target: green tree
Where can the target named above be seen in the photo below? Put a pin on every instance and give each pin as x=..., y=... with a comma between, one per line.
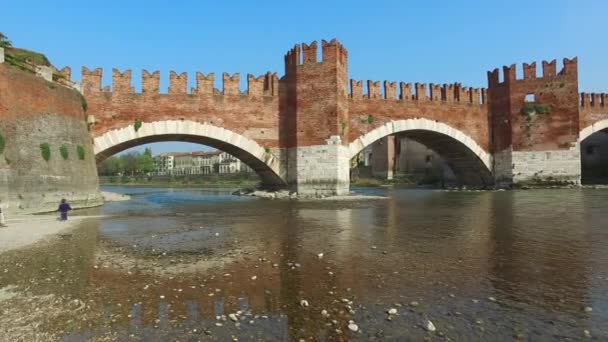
x=146, y=162
x=4, y=42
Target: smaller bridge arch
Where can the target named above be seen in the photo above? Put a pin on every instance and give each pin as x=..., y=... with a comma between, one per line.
x=263, y=162
x=469, y=161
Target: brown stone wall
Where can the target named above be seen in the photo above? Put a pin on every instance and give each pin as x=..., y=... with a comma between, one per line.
x=34, y=112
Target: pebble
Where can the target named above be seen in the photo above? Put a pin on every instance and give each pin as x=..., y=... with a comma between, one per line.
x=254, y=278
x=392, y=311
x=233, y=317
x=304, y=303
x=353, y=327
x=429, y=326
x=491, y=299
x=587, y=333
x=414, y=303
x=324, y=313
x=588, y=309
x=320, y=255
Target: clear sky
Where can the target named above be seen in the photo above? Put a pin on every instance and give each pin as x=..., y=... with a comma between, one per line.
x=437, y=41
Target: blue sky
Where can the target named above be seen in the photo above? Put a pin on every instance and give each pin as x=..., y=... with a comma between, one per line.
x=413, y=41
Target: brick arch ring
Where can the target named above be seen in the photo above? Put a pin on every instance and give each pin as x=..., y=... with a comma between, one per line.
x=481, y=168
x=264, y=163
x=591, y=129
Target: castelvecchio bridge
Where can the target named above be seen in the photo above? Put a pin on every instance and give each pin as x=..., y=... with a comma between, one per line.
x=302, y=129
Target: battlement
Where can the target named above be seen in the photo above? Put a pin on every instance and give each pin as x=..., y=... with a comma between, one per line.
x=595, y=100
x=549, y=72
x=454, y=93
x=264, y=85
x=306, y=54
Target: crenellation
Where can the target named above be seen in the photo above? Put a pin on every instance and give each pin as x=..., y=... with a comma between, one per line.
x=373, y=89
x=121, y=82
x=271, y=85
x=309, y=52
x=334, y=51
x=529, y=71
x=356, y=89
x=405, y=91
x=91, y=80
x=255, y=85
x=435, y=94
x=549, y=69
x=494, y=78
x=66, y=72
x=150, y=82
x=230, y=84
x=570, y=66
x=447, y=92
x=178, y=83
x=390, y=90
x=204, y=84
x=585, y=100
x=420, y=92
x=476, y=96
x=510, y=73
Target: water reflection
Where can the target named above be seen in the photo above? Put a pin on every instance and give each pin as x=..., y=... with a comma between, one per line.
x=175, y=264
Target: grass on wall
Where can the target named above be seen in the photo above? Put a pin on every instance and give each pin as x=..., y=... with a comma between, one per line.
x=2, y=143
x=45, y=151
x=80, y=152
x=63, y=150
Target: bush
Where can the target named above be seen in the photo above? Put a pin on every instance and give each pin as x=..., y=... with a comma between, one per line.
x=45, y=150
x=137, y=125
x=80, y=152
x=63, y=150
x=2, y=143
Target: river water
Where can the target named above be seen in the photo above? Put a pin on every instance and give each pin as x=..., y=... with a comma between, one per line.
x=173, y=265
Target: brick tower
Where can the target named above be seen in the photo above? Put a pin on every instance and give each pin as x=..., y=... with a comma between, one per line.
x=535, y=124
x=315, y=112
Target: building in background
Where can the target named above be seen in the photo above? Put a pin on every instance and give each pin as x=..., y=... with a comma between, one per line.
x=198, y=163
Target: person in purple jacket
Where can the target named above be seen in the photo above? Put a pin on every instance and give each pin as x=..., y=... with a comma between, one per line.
x=64, y=207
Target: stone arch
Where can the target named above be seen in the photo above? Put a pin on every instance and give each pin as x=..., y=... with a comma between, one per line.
x=593, y=128
x=264, y=163
x=471, y=163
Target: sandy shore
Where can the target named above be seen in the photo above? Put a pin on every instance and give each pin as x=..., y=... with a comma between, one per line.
x=27, y=229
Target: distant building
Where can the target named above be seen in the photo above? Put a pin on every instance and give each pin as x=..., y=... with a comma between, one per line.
x=198, y=163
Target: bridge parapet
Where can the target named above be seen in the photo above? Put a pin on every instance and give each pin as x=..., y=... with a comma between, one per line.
x=266, y=85
x=452, y=93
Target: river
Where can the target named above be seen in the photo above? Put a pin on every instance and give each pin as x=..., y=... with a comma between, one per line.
x=205, y=265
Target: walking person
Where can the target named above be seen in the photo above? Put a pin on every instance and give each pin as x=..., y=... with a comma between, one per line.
x=64, y=207
x=2, y=222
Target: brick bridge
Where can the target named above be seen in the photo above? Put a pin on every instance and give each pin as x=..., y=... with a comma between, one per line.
x=302, y=129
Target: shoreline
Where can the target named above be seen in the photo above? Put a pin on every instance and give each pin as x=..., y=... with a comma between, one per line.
x=25, y=230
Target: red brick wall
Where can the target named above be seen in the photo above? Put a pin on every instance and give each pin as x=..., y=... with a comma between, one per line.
x=555, y=130
x=593, y=108
x=458, y=107
x=239, y=112
x=23, y=94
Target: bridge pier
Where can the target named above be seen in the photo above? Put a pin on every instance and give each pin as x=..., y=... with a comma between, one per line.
x=321, y=170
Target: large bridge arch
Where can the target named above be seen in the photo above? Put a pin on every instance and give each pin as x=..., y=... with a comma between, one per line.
x=263, y=162
x=469, y=161
x=591, y=129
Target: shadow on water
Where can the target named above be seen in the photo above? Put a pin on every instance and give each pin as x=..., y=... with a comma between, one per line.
x=174, y=264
